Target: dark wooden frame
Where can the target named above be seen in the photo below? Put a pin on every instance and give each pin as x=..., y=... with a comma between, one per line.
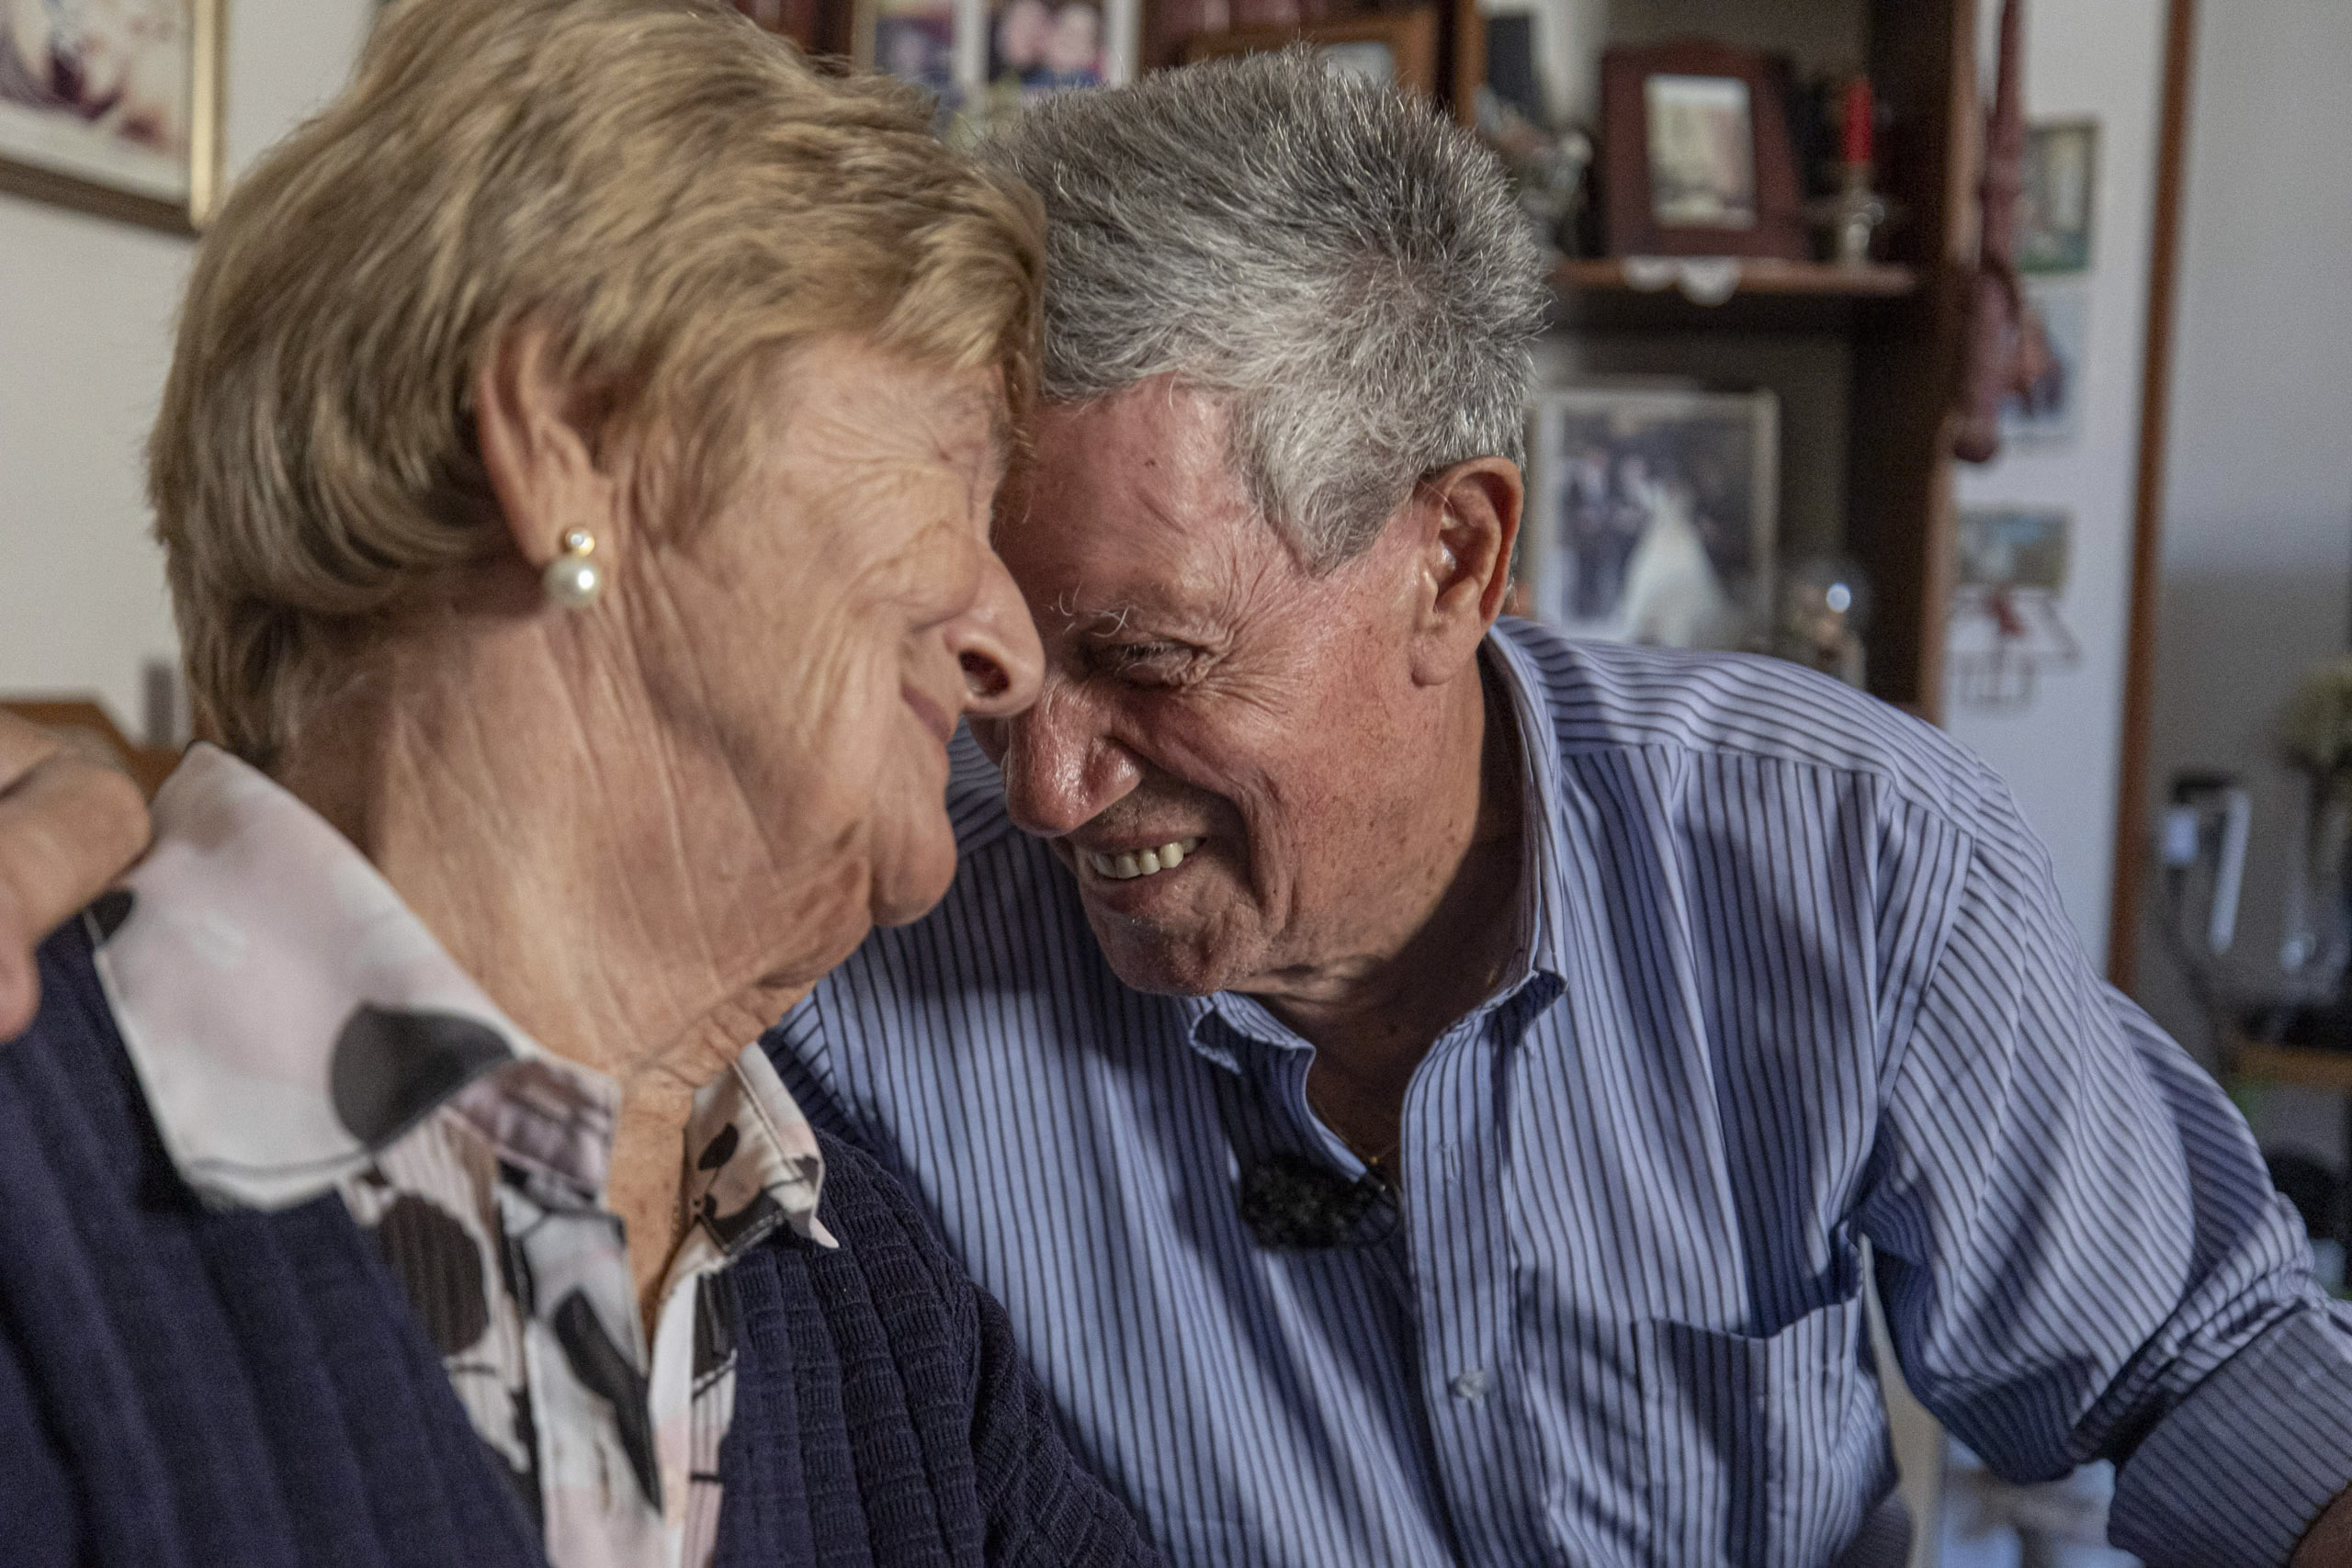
x=2148, y=502
x=1634, y=230
x=824, y=29
x=1411, y=37
x=1899, y=508
x=208, y=76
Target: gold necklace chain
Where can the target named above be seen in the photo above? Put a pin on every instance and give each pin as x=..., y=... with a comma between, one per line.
x=1376, y=1164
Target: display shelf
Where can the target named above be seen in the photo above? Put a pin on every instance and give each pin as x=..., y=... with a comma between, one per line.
x=1874, y=351
x=1657, y=276
x=1617, y=294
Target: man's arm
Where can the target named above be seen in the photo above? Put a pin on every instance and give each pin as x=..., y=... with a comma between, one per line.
x=2080, y=1250
x=68, y=826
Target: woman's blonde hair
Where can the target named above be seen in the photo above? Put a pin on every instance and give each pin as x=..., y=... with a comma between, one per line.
x=677, y=197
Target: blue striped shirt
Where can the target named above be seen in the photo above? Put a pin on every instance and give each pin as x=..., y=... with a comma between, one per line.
x=1793, y=978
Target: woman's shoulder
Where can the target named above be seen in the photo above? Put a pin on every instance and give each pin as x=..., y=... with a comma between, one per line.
x=888, y=1278
x=868, y=1208
x=68, y=1070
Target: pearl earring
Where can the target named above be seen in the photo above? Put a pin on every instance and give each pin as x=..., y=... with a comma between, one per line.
x=574, y=580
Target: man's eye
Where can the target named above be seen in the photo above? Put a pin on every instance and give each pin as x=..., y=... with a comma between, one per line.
x=1151, y=661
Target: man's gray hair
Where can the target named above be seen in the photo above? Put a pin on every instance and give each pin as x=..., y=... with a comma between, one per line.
x=1347, y=272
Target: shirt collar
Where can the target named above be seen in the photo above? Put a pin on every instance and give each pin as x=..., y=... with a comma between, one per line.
x=289, y=1019
x=1537, y=974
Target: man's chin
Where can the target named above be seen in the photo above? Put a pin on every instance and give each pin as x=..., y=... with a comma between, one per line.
x=1162, y=960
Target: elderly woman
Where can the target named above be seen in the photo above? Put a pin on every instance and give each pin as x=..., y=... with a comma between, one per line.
x=575, y=480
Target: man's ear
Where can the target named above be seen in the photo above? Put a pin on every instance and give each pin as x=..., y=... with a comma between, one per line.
x=1471, y=512
x=541, y=461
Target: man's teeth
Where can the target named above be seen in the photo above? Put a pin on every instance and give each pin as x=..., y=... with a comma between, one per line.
x=1127, y=867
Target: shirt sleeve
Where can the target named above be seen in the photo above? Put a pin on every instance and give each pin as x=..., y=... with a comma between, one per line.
x=2079, y=1249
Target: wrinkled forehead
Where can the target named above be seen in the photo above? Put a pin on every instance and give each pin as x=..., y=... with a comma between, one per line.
x=1130, y=506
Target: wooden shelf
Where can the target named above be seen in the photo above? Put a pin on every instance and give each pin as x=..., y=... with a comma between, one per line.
x=1610, y=295
x=2301, y=1064
x=1879, y=280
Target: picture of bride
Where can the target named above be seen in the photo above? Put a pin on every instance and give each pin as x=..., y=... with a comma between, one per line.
x=1651, y=513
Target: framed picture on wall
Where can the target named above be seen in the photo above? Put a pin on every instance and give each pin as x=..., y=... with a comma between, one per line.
x=1039, y=47
x=1697, y=152
x=915, y=41
x=2061, y=193
x=2045, y=408
x=113, y=107
x=1652, y=513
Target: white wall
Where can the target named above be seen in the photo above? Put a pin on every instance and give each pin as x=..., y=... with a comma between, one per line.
x=2102, y=60
x=2258, y=543
x=85, y=315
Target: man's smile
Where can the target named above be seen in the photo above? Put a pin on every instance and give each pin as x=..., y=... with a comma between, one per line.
x=1125, y=865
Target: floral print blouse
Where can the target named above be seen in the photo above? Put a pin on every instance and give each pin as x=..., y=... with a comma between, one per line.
x=297, y=1032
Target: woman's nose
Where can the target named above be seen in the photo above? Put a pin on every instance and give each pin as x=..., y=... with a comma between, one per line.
x=997, y=645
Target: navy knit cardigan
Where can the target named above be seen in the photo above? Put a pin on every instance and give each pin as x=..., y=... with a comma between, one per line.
x=184, y=1388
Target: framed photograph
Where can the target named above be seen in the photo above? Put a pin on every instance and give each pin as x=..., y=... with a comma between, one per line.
x=2005, y=630
x=1037, y=47
x=1697, y=152
x=915, y=41
x=2014, y=548
x=1651, y=513
x=113, y=107
x=1393, y=47
x=2061, y=195
x=2044, y=407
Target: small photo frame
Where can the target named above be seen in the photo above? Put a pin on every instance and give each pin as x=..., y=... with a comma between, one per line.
x=1652, y=513
x=915, y=41
x=1396, y=49
x=2061, y=196
x=113, y=107
x=2013, y=548
x=2004, y=630
x=2044, y=409
x=1697, y=152
x=985, y=61
x=1036, y=47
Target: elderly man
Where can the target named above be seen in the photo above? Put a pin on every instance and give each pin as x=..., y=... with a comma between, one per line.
x=1432, y=1093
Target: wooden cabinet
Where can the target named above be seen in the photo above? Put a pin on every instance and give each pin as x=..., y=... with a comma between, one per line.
x=1866, y=361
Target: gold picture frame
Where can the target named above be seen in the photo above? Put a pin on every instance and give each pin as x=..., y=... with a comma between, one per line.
x=93, y=146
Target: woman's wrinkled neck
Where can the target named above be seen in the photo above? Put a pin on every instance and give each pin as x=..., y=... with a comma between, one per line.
x=609, y=887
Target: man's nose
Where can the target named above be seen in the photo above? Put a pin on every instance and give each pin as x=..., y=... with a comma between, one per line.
x=1060, y=770
x=997, y=644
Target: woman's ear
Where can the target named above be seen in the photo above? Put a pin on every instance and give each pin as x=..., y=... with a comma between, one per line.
x=542, y=465
x=1473, y=510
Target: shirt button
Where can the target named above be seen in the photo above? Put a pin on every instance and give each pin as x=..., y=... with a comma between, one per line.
x=1470, y=1385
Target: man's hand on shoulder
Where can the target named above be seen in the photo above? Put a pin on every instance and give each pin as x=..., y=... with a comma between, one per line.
x=69, y=825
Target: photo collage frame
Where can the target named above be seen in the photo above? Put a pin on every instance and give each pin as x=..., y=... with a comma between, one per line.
x=986, y=59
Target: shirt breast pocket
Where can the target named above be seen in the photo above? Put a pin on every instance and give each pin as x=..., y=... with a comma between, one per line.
x=1764, y=1451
